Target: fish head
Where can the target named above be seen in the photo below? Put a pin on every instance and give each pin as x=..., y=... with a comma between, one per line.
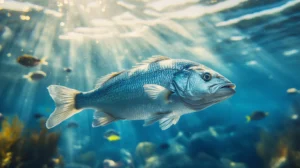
x=199, y=83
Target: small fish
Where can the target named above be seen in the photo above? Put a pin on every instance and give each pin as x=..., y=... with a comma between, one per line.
x=68, y=70
x=38, y=116
x=35, y=76
x=292, y=91
x=127, y=158
x=112, y=135
x=164, y=146
x=159, y=89
x=1, y=117
x=78, y=147
x=72, y=125
x=31, y=61
x=257, y=115
x=213, y=131
x=293, y=117
x=107, y=163
x=58, y=160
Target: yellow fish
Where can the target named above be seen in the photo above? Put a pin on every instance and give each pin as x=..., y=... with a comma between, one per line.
x=112, y=135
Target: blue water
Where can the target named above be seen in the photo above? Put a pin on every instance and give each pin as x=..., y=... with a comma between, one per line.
x=255, y=44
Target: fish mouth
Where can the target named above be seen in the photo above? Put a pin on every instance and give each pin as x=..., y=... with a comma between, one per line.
x=225, y=89
x=228, y=86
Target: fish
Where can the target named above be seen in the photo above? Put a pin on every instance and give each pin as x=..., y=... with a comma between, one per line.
x=159, y=89
x=38, y=116
x=164, y=146
x=31, y=61
x=112, y=135
x=127, y=158
x=293, y=117
x=58, y=160
x=257, y=115
x=1, y=117
x=72, y=125
x=292, y=91
x=68, y=70
x=35, y=76
x=108, y=163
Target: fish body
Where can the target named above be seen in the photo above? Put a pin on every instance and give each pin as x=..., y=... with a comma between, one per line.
x=35, y=76
x=38, y=116
x=159, y=89
x=112, y=135
x=1, y=117
x=257, y=115
x=292, y=91
x=107, y=163
x=164, y=146
x=72, y=125
x=30, y=61
x=68, y=70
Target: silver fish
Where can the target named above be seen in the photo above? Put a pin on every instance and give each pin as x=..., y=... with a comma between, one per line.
x=158, y=89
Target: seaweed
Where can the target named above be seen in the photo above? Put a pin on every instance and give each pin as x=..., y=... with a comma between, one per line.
x=31, y=149
x=282, y=150
x=9, y=135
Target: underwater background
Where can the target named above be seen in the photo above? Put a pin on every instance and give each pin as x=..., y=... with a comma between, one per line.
x=254, y=43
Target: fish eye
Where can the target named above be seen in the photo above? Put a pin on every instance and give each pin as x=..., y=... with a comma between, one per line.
x=206, y=76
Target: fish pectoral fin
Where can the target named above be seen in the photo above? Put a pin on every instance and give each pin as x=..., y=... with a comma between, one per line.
x=156, y=117
x=166, y=123
x=102, y=119
x=157, y=92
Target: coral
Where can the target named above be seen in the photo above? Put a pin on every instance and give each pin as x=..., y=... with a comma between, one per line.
x=33, y=149
x=144, y=150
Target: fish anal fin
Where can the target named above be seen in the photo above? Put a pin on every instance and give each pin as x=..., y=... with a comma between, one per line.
x=156, y=117
x=166, y=123
x=106, y=78
x=157, y=92
x=102, y=119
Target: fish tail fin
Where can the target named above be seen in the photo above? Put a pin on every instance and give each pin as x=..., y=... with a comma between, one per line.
x=27, y=77
x=44, y=61
x=248, y=118
x=64, y=99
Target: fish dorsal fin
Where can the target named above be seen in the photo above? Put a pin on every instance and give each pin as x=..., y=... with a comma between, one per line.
x=155, y=58
x=106, y=78
x=144, y=65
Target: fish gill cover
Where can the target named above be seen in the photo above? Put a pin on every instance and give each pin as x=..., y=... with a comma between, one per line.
x=73, y=43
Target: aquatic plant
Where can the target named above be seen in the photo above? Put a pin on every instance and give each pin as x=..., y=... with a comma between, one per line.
x=9, y=135
x=283, y=149
x=33, y=149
